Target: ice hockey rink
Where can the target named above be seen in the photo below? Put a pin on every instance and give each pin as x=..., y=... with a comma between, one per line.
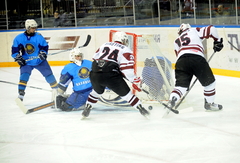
x=118, y=134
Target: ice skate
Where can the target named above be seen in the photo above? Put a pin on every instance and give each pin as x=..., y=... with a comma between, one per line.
x=143, y=111
x=86, y=111
x=21, y=95
x=172, y=102
x=171, y=106
x=212, y=106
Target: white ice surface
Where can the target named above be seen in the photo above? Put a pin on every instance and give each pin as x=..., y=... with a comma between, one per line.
x=118, y=135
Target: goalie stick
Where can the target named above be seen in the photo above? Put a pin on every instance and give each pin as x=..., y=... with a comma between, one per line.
x=230, y=42
x=27, y=111
x=27, y=86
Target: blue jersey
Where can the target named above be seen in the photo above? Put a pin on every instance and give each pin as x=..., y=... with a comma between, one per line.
x=29, y=47
x=79, y=75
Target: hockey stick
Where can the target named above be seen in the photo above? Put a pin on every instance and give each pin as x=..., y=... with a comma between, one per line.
x=229, y=41
x=180, y=101
x=170, y=109
x=84, y=45
x=27, y=111
x=27, y=86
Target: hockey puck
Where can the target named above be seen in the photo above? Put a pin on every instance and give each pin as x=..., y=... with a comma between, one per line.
x=150, y=107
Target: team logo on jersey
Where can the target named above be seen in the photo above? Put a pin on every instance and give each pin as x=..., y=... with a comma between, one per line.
x=101, y=63
x=84, y=73
x=29, y=48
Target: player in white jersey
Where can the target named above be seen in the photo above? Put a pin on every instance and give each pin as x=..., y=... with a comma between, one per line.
x=113, y=62
x=190, y=61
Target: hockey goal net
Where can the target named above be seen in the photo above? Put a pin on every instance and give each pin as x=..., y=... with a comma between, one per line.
x=152, y=66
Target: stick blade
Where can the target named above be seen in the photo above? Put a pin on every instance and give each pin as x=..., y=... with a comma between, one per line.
x=21, y=105
x=87, y=41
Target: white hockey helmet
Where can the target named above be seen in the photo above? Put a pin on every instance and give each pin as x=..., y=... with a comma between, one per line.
x=121, y=37
x=183, y=27
x=30, y=23
x=72, y=56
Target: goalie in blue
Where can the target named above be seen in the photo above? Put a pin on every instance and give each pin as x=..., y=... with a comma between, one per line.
x=76, y=72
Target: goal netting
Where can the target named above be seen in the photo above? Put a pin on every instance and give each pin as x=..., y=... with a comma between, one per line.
x=152, y=66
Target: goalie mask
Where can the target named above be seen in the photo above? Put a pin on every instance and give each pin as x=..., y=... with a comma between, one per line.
x=76, y=56
x=121, y=37
x=30, y=23
x=183, y=28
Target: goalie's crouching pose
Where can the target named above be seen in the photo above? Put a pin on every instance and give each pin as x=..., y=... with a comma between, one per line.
x=76, y=72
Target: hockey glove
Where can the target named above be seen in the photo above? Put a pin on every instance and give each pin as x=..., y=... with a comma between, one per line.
x=19, y=59
x=137, y=84
x=42, y=55
x=218, y=45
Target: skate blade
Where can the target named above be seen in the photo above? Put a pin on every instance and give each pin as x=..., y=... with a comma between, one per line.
x=146, y=116
x=212, y=110
x=83, y=117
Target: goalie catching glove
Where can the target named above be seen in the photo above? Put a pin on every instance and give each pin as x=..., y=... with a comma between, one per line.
x=137, y=84
x=218, y=45
x=42, y=55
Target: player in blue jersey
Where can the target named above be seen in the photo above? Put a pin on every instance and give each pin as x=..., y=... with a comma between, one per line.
x=76, y=72
x=30, y=51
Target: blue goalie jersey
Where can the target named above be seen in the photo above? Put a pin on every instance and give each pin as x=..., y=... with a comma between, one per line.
x=78, y=75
